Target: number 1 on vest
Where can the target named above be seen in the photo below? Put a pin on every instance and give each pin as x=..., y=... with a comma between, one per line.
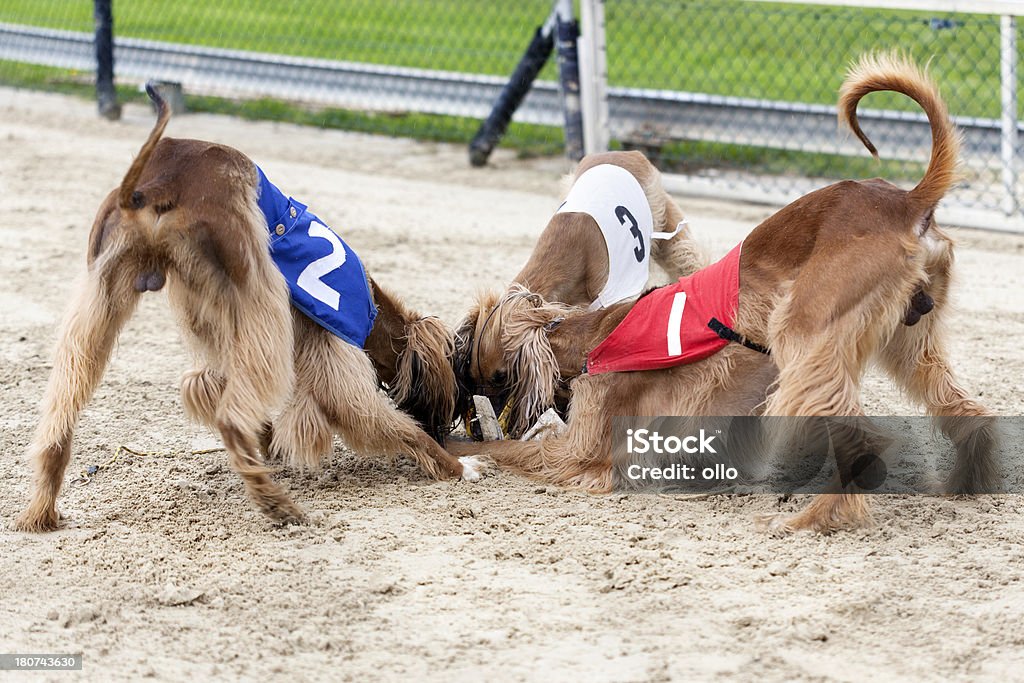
x=675, y=325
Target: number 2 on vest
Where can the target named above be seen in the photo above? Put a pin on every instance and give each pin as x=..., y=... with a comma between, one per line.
x=309, y=278
x=623, y=214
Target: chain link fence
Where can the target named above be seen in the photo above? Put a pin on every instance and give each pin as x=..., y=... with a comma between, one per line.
x=733, y=97
x=746, y=93
x=398, y=67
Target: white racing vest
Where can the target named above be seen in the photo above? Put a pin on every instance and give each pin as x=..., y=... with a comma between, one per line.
x=615, y=200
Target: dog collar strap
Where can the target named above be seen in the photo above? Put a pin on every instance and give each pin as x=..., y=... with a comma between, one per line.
x=671, y=325
x=615, y=200
x=669, y=235
x=729, y=334
x=325, y=277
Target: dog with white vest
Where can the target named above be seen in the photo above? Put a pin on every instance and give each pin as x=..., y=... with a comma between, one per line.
x=595, y=252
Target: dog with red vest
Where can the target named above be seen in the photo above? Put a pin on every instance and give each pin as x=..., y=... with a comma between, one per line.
x=786, y=324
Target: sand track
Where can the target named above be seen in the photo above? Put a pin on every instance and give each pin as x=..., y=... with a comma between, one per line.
x=166, y=569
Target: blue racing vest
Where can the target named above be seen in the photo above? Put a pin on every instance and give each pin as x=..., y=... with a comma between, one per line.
x=325, y=277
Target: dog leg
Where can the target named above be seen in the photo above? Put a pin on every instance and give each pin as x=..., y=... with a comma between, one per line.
x=820, y=382
x=578, y=458
x=369, y=423
x=244, y=459
x=826, y=513
x=254, y=319
x=916, y=360
x=342, y=381
x=201, y=391
x=90, y=329
x=551, y=460
x=247, y=399
x=301, y=435
x=821, y=340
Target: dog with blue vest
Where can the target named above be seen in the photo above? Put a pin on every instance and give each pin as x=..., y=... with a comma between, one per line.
x=293, y=339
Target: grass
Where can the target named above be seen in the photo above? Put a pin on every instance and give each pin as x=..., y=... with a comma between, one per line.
x=727, y=47
x=527, y=139
x=693, y=156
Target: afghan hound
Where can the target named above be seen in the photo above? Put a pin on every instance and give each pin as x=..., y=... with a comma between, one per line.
x=203, y=218
x=852, y=273
x=595, y=251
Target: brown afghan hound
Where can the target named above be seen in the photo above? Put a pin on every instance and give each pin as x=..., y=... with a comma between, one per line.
x=825, y=285
x=570, y=264
x=186, y=213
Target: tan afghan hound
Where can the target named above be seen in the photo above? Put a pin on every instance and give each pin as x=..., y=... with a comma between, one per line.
x=825, y=285
x=570, y=264
x=186, y=213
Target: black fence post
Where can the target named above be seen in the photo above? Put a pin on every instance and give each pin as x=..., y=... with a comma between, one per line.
x=512, y=95
x=568, y=31
x=106, y=96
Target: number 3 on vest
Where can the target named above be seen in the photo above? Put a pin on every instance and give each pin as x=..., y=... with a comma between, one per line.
x=623, y=214
x=309, y=278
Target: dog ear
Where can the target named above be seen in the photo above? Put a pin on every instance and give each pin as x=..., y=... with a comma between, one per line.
x=461, y=358
x=465, y=333
x=533, y=367
x=466, y=337
x=424, y=383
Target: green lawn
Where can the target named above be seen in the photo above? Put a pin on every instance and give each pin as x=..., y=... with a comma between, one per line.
x=727, y=47
x=787, y=52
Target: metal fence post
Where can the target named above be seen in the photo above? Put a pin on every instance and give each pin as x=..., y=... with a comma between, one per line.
x=593, y=76
x=1008, y=76
x=567, y=32
x=106, y=96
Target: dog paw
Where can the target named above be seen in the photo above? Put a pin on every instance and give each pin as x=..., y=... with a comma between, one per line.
x=284, y=512
x=777, y=525
x=782, y=524
x=33, y=521
x=474, y=467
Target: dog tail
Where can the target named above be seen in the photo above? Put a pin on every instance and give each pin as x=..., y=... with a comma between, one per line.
x=126, y=194
x=897, y=73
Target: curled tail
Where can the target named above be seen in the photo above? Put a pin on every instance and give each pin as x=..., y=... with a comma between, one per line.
x=126, y=198
x=894, y=72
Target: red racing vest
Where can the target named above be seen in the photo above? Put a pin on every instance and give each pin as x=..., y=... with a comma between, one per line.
x=670, y=325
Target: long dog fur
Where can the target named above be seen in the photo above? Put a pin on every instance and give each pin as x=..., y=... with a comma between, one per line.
x=569, y=264
x=186, y=212
x=825, y=284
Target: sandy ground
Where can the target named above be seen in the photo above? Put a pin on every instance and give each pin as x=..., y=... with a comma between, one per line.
x=166, y=571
